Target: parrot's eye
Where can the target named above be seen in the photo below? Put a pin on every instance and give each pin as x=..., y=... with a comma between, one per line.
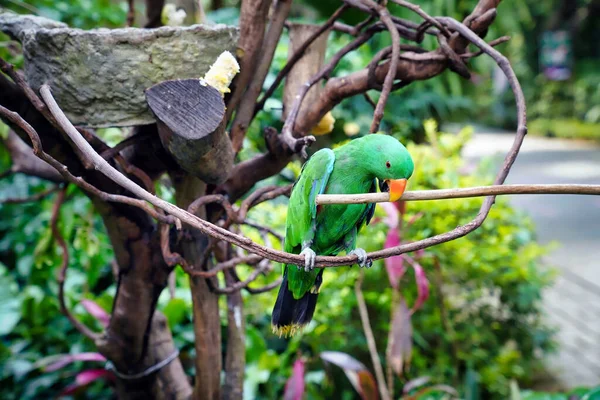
x=387, y=164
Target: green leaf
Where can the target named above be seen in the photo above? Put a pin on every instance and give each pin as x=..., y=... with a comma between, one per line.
x=176, y=311
x=10, y=302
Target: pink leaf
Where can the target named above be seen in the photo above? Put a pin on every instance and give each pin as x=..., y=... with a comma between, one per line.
x=420, y=253
x=394, y=265
x=393, y=216
x=295, y=386
x=85, y=378
x=96, y=311
x=415, y=383
x=422, y=286
x=399, y=350
x=359, y=376
x=66, y=359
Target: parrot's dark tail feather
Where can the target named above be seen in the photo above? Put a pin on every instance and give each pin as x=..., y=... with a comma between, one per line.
x=290, y=315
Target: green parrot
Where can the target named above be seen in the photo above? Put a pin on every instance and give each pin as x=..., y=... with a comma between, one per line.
x=355, y=167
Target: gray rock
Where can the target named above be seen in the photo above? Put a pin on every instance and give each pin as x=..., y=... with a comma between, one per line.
x=98, y=77
x=15, y=24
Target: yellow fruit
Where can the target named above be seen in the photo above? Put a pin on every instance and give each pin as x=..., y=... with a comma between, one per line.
x=324, y=126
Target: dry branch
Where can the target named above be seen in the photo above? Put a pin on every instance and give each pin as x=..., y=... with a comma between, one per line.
x=16, y=119
x=62, y=274
x=366, y=324
x=297, y=56
x=222, y=234
x=460, y=193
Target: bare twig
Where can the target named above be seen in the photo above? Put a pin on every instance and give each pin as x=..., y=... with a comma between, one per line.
x=430, y=20
x=265, y=288
x=460, y=193
x=30, y=199
x=249, y=245
x=243, y=284
x=171, y=258
x=493, y=43
x=446, y=324
x=130, y=141
x=231, y=263
x=364, y=317
x=296, y=56
x=287, y=132
x=62, y=169
x=264, y=229
x=388, y=82
x=84, y=330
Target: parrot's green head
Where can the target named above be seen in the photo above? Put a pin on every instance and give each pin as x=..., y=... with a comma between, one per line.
x=386, y=159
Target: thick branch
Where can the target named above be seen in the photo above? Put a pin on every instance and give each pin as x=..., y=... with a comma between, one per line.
x=24, y=161
x=253, y=19
x=245, y=111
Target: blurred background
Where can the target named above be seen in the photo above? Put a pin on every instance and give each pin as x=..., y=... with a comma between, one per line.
x=513, y=308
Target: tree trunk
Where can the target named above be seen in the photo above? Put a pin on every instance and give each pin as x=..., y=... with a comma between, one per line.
x=207, y=323
x=137, y=338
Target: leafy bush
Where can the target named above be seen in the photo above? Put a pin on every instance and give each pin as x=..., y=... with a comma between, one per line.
x=483, y=318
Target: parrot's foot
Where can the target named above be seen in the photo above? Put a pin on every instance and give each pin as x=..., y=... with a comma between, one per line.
x=362, y=257
x=309, y=259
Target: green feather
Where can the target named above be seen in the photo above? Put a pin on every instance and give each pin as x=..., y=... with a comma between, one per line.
x=349, y=169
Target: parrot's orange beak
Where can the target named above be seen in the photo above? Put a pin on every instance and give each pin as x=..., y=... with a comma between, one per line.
x=396, y=188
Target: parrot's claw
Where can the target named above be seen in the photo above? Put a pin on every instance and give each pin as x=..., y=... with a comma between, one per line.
x=309, y=259
x=363, y=261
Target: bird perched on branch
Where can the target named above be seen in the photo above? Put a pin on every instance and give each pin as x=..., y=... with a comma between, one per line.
x=355, y=167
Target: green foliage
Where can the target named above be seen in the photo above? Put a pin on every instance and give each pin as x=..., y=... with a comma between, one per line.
x=491, y=283
x=84, y=14
x=31, y=325
x=565, y=128
x=575, y=394
x=568, y=109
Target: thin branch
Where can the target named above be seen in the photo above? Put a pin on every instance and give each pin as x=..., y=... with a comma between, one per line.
x=321, y=261
x=264, y=229
x=388, y=82
x=243, y=284
x=265, y=288
x=125, y=143
x=231, y=263
x=460, y=193
x=233, y=238
x=84, y=330
x=418, y=10
x=32, y=198
x=493, y=43
x=287, y=136
x=16, y=119
x=364, y=317
x=298, y=55
x=170, y=258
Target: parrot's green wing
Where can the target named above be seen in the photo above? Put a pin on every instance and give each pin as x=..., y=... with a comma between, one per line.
x=302, y=212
